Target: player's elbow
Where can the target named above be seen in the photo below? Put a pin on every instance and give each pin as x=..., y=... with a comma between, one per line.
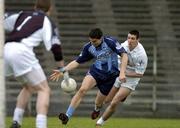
x=57, y=52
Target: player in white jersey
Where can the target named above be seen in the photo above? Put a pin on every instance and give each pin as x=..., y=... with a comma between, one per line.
x=25, y=31
x=137, y=63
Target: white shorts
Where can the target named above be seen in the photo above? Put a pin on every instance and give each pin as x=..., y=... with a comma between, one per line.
x=34, y=77
x=131, y=83
x=20, y=60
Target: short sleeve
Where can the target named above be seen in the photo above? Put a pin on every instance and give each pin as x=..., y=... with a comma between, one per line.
x=141, y=64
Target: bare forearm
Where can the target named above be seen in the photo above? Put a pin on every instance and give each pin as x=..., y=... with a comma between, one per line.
x=72, y=65
x=123, y=62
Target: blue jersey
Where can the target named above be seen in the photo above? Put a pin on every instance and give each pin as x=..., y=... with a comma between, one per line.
x=105, y=67
x=105, y=55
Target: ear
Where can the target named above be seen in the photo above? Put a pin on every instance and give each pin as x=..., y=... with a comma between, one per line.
x=138, y=39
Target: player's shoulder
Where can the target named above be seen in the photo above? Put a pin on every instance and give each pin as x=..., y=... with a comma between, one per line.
x=110, y=39
x=87, y=45
x=12, y=14
x=140, y=50
x=125, y=43
x=141, y=47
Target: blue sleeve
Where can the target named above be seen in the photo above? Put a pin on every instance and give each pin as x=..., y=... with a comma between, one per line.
x=114, y=45
x=85, y=55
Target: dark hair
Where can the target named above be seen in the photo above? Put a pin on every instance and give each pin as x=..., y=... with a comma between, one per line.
x=96, y=33
x=135, y=32
x=43, y=5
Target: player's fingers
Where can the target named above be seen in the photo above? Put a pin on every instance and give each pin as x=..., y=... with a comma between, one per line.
x=56, y=74
x=53, y=74
x=57, y=79
x=53, y=78
x=123, y=80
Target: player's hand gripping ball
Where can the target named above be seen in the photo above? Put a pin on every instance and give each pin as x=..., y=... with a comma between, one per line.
x=69, y=85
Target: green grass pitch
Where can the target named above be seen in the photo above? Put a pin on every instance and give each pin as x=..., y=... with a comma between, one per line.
x=85, y=122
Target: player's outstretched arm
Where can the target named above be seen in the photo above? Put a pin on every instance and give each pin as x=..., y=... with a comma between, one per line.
x=58, y=73
x=123, y=65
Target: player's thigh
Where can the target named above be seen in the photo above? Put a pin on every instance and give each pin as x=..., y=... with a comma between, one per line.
x=20, y=58
x=33, y=78
x=100, y=97
x=122, y=93
x=111, y=94
x=88, y=82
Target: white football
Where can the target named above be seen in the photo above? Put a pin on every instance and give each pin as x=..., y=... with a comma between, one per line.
x=69, y=85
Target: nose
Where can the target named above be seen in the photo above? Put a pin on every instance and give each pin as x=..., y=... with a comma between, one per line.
x=129, y=41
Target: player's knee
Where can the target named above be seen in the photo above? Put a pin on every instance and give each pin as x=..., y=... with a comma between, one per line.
x=123, y=99
x=82, y=91
x=113, y=105
x=107, y=101
x=46, y=89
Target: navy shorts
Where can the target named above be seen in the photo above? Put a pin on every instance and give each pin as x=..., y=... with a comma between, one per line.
x=104, y=81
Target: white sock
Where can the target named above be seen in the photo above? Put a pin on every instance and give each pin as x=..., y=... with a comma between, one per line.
x=100, y=121
x=41, y=121
x=18, y=115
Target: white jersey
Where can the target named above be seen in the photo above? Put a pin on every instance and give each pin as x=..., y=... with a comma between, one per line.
x=137, y=62
x=47, y=33
x=25, y=31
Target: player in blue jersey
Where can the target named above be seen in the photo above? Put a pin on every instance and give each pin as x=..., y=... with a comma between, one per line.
x=27, y=30
x=102, y=73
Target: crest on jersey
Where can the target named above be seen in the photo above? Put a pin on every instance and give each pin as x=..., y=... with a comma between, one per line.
x=118, y=46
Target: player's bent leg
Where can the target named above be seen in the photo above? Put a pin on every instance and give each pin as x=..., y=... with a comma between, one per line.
x=120, y=95
x=22, y=101
x=88, y=83
x=111, y=94
x=42, y=103
x=38, y=83
x=43, y=97
x=98, y=105
x=73, y=105
x=23, y=97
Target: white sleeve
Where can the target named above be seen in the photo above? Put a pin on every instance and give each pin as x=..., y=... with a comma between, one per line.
x=9, y=22
x=47, y=33
x=50, y=34
x=141, y=64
